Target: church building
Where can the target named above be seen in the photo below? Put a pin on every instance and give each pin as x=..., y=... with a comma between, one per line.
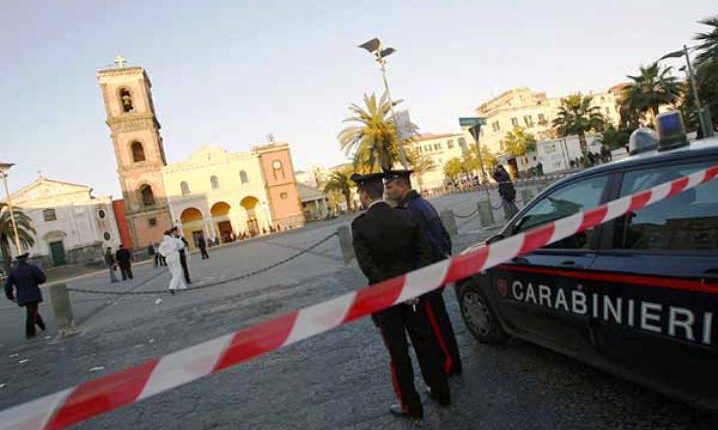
x=215, y=193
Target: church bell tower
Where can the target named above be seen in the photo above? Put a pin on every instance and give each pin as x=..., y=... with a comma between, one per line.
x=139, y=152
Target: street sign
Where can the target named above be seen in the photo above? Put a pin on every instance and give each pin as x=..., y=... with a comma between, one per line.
x=404, y=128
x=471, y=121
x=475, y=130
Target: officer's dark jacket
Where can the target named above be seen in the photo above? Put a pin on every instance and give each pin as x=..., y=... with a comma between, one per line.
x=124, y=258
x=430, y=223
x=26, y=279
x=389, y=242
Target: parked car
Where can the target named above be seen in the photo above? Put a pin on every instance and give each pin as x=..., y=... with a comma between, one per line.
x=637, y=296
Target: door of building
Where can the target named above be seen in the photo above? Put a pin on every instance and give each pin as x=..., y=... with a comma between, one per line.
x=57, y=249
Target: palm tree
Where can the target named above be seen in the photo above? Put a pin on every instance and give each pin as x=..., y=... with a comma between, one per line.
x=25, y=232
x=340, y=182
x=577, y=116
x=420, y=163
x=373, y=140
x=709, y=42
x=518, y=142
x=653, y=87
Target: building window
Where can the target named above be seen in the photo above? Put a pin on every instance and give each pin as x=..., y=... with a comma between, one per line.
x=496, y=126
x=608, y=111
x=148, y=198
x=437, y=146
x=184, y=186
x=101, y=214
x=152, y=222
x=49, y=215
x=106, y=236
x=243, y=177
x=214, y=182
x=541, y=118
x=427, y=148
x=528, y=121
x=418, y=148
x=450, y=143
x=514, y=122
x=126, y=101
x=462, y=141
x=283, y=196
x=138, y=152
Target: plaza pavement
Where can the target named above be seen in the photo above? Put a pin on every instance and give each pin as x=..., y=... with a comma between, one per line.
x=339, y=379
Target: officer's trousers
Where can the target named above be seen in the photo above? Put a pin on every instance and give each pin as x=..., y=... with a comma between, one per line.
x=443, y=331
x=394, y=323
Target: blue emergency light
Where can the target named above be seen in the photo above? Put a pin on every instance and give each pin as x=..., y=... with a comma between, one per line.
x=671, y=131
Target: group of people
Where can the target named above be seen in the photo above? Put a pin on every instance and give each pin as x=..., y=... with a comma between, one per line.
x=122, y=259
x=388, y=242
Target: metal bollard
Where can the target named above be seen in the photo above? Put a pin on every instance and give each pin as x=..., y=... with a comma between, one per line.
x=62, y=308
x=345, y=241
x=447, y=218
x=486, y=214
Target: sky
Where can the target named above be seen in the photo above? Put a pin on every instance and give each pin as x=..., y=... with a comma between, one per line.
x=229, y=73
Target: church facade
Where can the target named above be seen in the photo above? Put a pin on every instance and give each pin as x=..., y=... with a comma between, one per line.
x=215, y=193
x=71, y=225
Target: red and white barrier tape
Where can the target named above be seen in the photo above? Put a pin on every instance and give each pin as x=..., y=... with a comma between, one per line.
x=92, y=398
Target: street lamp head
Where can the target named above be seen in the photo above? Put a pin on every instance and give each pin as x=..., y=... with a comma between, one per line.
x=371, y=45
x=4, y=167
x=386, y=52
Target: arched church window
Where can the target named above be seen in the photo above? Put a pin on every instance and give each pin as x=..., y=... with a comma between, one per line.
x=126, y=101
x=243, y=177
x=214, y=182
x=148, y=198
x=138, y=152
x=185, y=188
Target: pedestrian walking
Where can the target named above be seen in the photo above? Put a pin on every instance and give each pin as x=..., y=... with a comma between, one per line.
x=124, y=260
x=398, y=189
x=184, y=255
x=506, y=190
x=111, y=264
x=22, y=286
x=170, y=250
x=389, y=243
x=202, y=245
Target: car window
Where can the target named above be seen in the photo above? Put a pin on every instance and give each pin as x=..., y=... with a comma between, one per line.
x=563, y=202
x=684, y=222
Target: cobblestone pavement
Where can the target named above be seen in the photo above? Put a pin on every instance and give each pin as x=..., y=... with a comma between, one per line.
x=337, y=380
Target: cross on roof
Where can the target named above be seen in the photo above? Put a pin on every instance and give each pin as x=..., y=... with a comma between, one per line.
x=120, y=61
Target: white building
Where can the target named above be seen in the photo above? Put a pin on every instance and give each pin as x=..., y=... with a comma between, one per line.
x=71, y=225
x=440, y=148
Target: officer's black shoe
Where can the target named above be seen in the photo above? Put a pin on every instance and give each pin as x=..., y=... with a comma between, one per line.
x=398, y=411
x=444, y=400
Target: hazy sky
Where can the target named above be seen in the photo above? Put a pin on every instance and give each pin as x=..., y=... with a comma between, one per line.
x=228, y=73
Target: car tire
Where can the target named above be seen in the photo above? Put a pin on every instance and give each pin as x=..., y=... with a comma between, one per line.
x=479, y=317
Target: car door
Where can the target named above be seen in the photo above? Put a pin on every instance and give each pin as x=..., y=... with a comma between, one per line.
x=657, y=285
x=539, y=294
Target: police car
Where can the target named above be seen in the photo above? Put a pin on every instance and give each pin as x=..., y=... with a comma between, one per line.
x=637, y=296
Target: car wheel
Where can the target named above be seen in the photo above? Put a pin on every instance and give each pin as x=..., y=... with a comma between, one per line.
x=479, y=317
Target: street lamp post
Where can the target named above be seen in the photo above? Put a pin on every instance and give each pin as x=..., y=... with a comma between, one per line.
x=4, y=167
x=706, y=126
x=375, y=47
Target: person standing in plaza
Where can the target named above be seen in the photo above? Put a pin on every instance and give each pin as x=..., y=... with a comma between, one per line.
x=184, y=255
x=506, y=190
x=202, y=245
x=398, y=189
x=170, y=250
x=111, y=264
x=389, y=243
x=124, y=260
x=22, y=286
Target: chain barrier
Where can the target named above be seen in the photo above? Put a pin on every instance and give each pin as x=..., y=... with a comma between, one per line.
x=469, y=215
x=210, y=284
